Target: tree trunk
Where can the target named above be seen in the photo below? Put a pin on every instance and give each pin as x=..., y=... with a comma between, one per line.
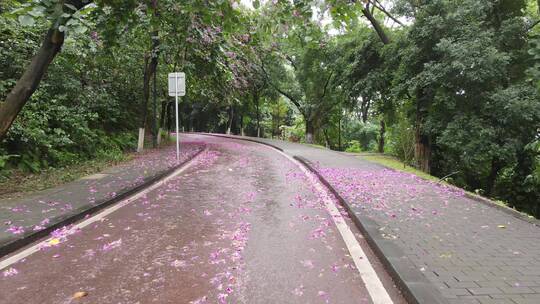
x=170, y=114
x=29, y=81
x=339, y=135
x=376, y=25
x=146, y=91
x=310, y=130
x=149, y=71
x=326, y=139
x=366, y=103
x=256, y=100
x=422, y=150
x=492, y=177
x=381, y=136
x=163, y=115
x=231, y=118
x=155, y=133
x=242, y=125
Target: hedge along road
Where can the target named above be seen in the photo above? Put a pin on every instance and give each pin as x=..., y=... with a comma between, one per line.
x=240, y=224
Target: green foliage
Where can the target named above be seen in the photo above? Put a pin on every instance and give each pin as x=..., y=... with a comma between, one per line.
x=75, y=114
x=365, y=134
x=401, y=141
x=353, y=146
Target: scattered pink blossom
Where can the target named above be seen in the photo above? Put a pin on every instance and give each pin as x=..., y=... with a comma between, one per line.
x=10, y=272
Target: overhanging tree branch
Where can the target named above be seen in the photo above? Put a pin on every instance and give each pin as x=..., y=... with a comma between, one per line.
x=533, y=25
x=379, y=6
x=282, y=92
x=326, y=84
x=376, y=25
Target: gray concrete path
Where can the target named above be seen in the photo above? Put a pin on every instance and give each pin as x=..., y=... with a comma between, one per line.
x=465, y=250
x=23, y=216
x=241, y=224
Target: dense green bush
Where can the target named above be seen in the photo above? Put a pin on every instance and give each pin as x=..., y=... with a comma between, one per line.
x=353, y=146
x=80, y=110
x=400, y=141
x=365, y=134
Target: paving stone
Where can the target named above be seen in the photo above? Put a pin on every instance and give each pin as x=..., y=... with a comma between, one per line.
x=455, y=292
x=536, y=289
x=485, y=290
x=516, y=290
x=526, y=301
x=492, y=283
x=463, y=301
x=496, y=301
x=470, y=284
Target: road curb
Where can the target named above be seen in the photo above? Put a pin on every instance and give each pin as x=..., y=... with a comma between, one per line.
x=82, y=212
x=409, y=279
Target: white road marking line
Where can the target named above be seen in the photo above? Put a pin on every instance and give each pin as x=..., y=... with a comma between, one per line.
x=375, y=288
x=98, y=216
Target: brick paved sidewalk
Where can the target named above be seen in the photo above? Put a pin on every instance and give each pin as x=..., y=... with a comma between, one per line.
x=22, y=217
x=470, y=252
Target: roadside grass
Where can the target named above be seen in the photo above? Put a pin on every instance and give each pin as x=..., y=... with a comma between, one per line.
x=393, y=163
x=18, y=182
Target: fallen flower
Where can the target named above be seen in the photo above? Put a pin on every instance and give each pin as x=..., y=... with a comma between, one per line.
x=54, y=242
x=80, y=294
x=10, y=272
x=112, y=245
x=37, y=228
x=199, y=300
x=222, y=297
x=298, y=291
x=179, y=264
x=323, y=295
x=307, y=263
x=16, y=229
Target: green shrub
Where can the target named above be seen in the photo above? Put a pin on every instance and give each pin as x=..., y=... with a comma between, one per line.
x=353, y=147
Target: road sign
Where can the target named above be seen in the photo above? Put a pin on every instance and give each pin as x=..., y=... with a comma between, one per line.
x=177, y=87
x=177, y=84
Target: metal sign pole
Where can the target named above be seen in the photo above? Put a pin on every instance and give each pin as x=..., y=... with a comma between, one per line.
x=176, y=107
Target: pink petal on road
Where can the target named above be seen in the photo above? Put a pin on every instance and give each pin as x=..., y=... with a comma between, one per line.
x=222, y=297
x=298, y=291
x=10, y=272
x=112, y=245
x=179, y=264
x=16, y=229
x=307, y=263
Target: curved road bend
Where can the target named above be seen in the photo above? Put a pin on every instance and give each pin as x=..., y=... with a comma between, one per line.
x=242, y=224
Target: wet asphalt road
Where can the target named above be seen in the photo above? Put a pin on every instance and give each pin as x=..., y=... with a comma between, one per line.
x=241, y=225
